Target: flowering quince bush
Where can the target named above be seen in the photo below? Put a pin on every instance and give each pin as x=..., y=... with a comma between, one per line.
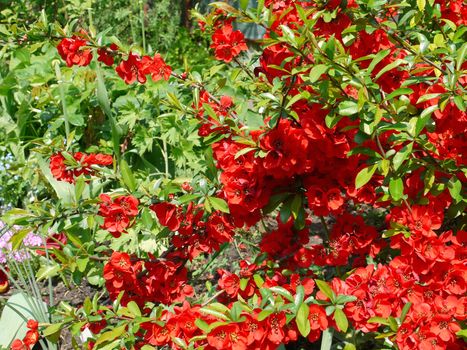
x=334, y=148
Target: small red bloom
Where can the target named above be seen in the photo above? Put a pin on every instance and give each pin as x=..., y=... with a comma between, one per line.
x=117, y=213
x=33, y=325
x=70, y=50
x=106, y=54
x=156, y=67
x=317, y=318
x=131, y=69
x=168, y=214
x=227, y=43
x=18, y=345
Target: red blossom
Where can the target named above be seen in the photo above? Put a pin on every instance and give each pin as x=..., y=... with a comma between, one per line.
x=71, y=50
x=227, y=43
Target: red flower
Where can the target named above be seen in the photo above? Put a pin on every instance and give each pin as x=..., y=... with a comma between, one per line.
x=4, y=283
x=70, y=50
x=156, y=67
x=228, y=43
x=227, y=337
x=317, y=318
x=276, y=323
x=33, y=325
x=117, y=213
x=18, y=345
x=63, y=171
x=229, y=282
x=106, y=54
x=168, y=214
x=31, y=337
x=131, y=69
x=161, y=335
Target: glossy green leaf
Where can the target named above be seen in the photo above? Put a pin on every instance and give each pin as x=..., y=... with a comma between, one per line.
x=341, y=320
x=219, y=204
x=365, y=175
x=325, y=289
x=317, y=71
x=347, y=108
x=396, y=188
x=302, y=321
x=127, y=175
x=402, y=155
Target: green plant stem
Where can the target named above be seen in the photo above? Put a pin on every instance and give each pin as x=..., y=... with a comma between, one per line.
x=143, y=29
x=61, y=88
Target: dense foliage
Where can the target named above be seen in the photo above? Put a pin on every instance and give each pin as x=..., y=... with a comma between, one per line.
x=303, y=191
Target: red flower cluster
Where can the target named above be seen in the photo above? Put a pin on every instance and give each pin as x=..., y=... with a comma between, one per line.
x=228, y=43
x=158, y=281
x=130, y=70
x=29, y=340
x=195, y=234
x=118, y=213
x=210, y=125
x=63, y=171
x=429, y=273
x=251, y=332
x=136, y=68
x=71, y=50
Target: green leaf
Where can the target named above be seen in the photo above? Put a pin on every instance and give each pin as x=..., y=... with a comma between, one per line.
x=364, y=176
x=127, y=176
x=148, y=347
x=296, y=205
x=455, y=188
x=282, y=291
x=219, y=204
x=213, y=312
x=104, y=102
x=461, y=56
x=389, y=67
x=342, y=299
x=326, y=339
x=244, y=151
x=405, y=310
x=421, y=5
x=392, y=324
x=82, y=263
x=402, y=155
x=462, y=333
x=110, y=335
x=302, y=321
x=349, y=346
x=341, y=320
x=244, y=4
x=17, y=239
x=399, y=92
x=79, y=187
x=378, y=58
x=202, y=325
x=299, y=296
x=347, y=108
x=396, y=189
x=379, y=320
x=134, y=308
x=325, y=289
x=258, y=280
x=317, y=71
x=47, y=271
x=52, y=329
